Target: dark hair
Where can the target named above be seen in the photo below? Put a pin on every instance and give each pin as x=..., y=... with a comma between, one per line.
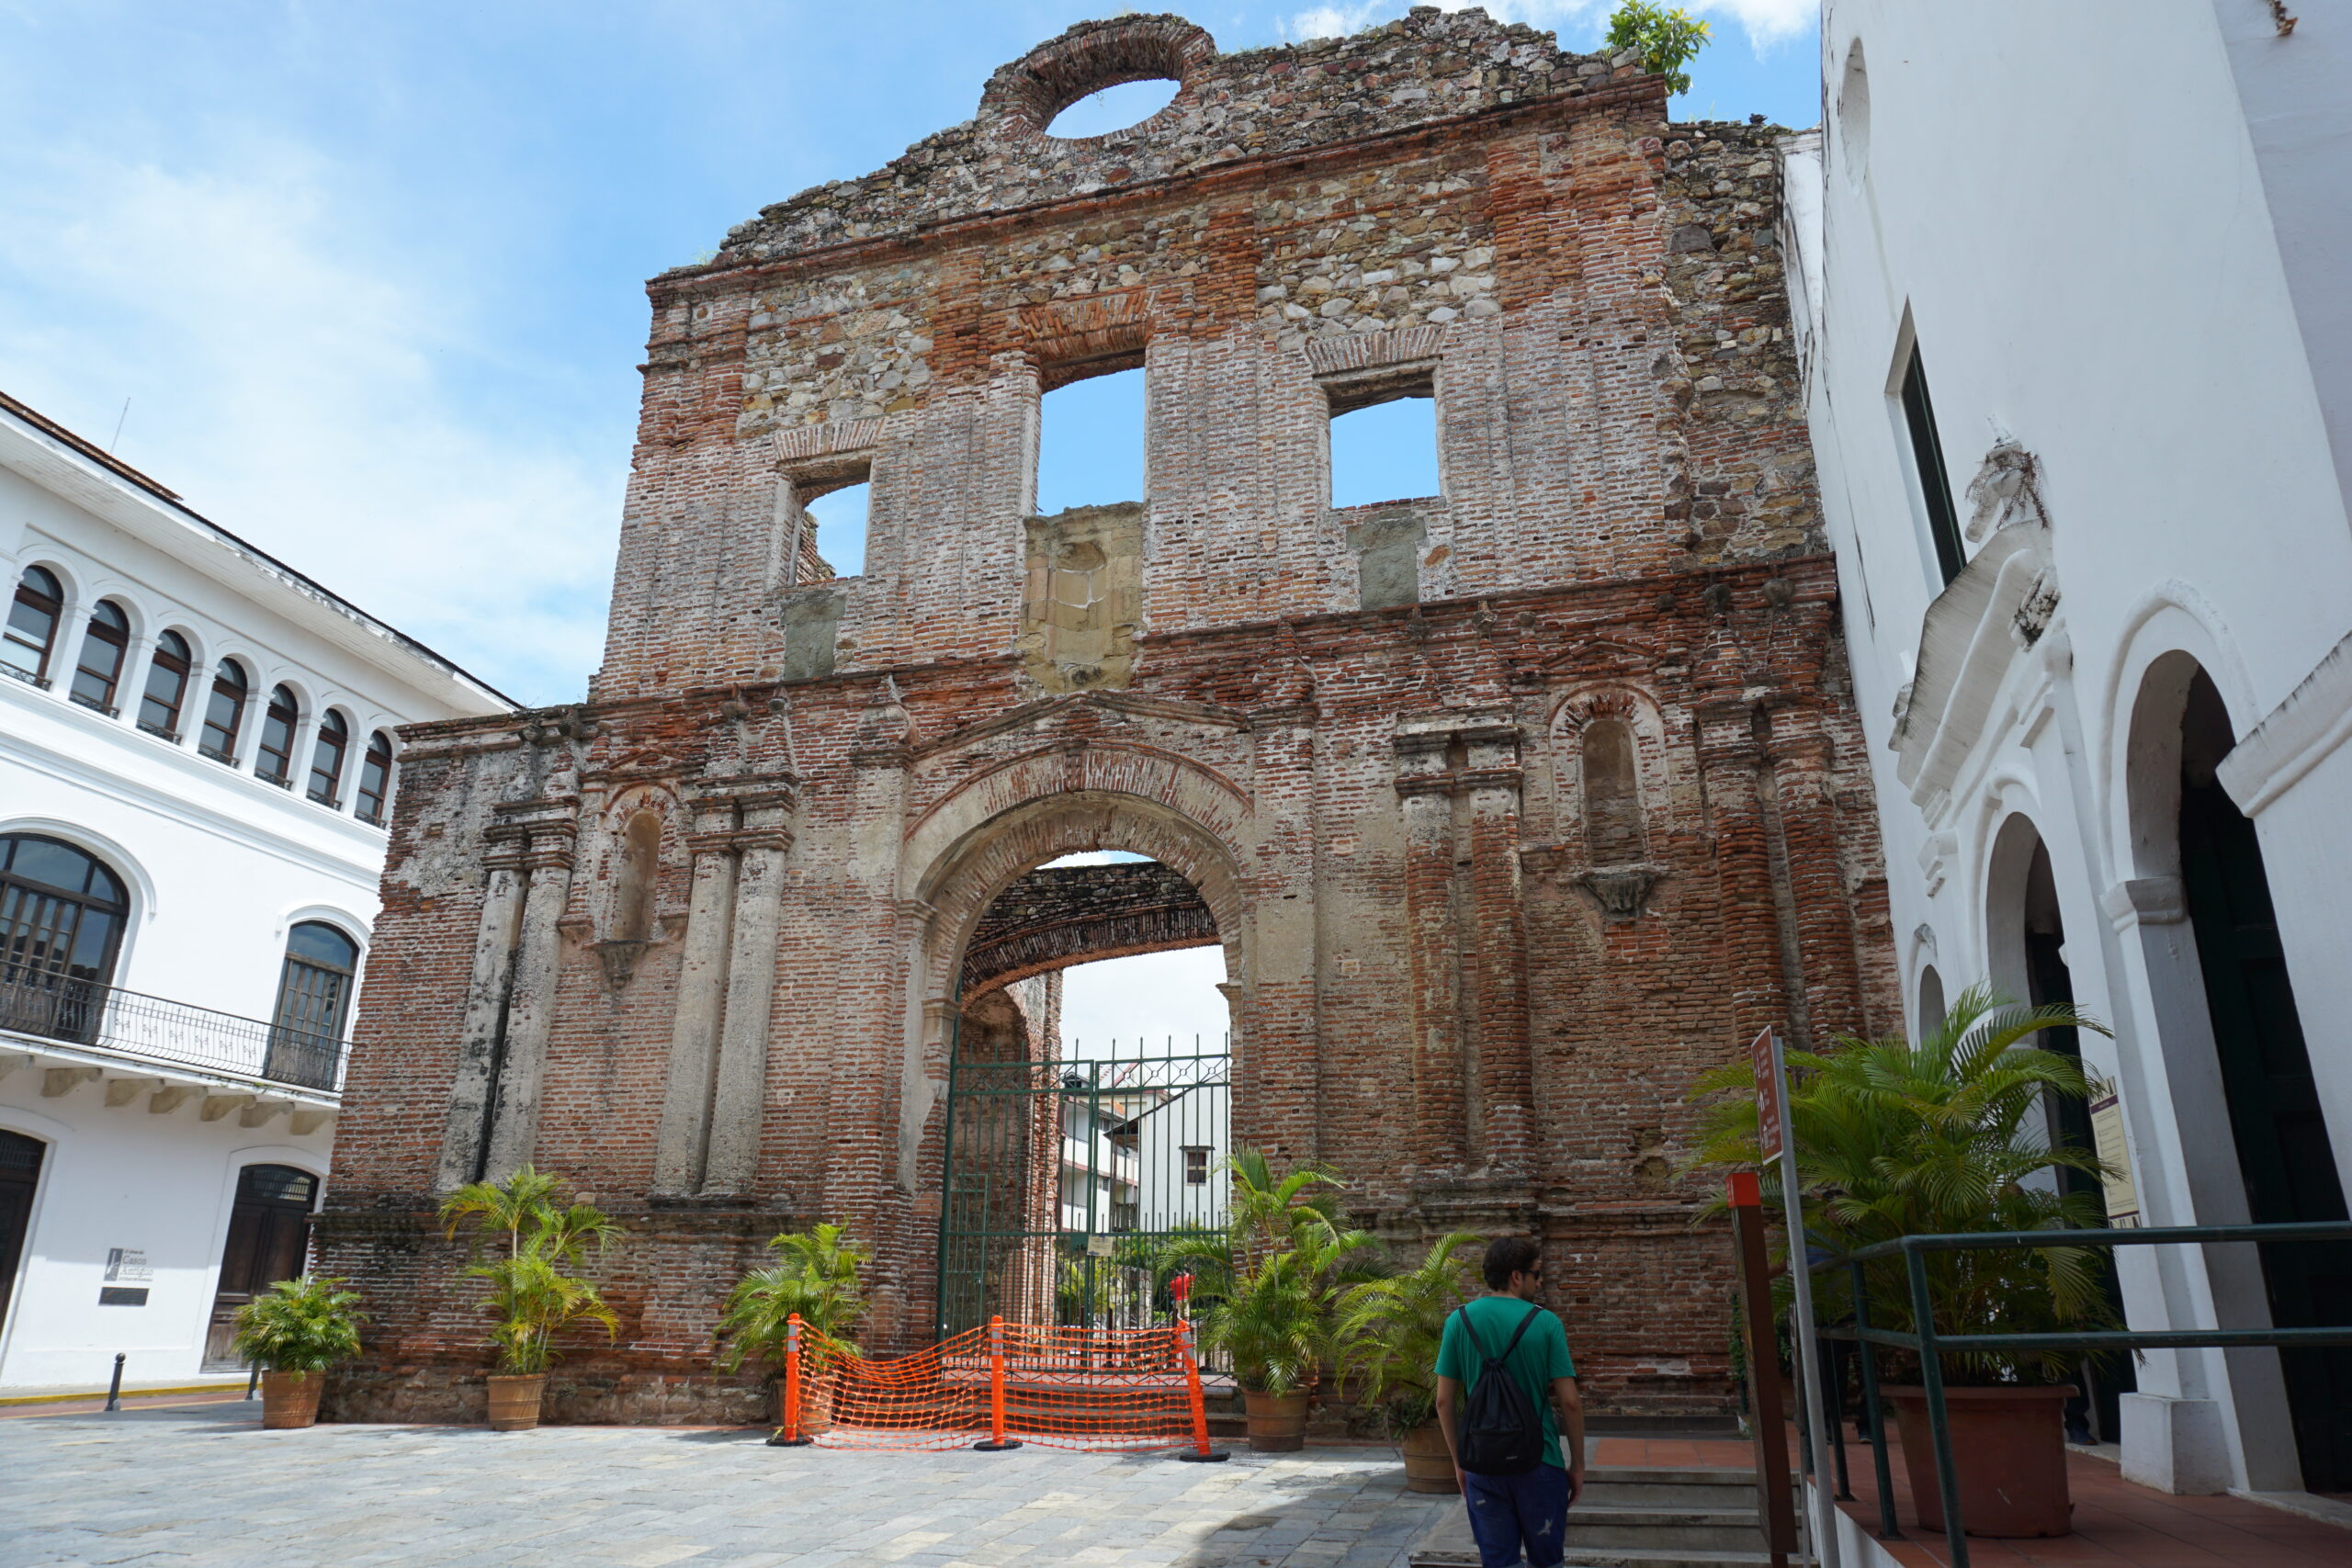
x=1509, y=1254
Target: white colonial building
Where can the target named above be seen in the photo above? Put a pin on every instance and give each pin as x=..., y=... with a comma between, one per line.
x=2078, y=342
x=197, y=755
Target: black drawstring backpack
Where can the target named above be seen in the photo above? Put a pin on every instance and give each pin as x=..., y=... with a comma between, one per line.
x=1500, y=1432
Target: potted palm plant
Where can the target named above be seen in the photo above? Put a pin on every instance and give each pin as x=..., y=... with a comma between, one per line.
x=1948, y=1137
x=815, y=1280
x=530, y=1295
x=1271, y=1284
x=294, y=1331
x=1388, y=1335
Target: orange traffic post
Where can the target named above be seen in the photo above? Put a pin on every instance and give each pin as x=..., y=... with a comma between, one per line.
x=788, y=1435
x=997, y=1441
x=1200, y=1452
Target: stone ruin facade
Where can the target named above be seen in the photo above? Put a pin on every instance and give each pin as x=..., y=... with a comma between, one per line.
x=1512, y=808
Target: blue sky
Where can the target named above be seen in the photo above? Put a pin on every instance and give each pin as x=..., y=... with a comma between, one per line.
x=370, y=274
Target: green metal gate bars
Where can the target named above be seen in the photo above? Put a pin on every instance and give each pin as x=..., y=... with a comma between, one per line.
x=1068, y=1182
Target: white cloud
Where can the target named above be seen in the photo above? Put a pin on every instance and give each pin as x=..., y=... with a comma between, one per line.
x=1139, y=1006
x=1766, y=22
x=292, y=371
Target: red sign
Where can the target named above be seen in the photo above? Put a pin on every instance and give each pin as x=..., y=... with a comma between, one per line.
x=1770, y=1113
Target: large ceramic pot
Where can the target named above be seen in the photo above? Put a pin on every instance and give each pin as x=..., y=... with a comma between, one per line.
x=1429, y=1463
x=1277, y=1421
x=2008, y=1446
x=515, y=1401
x=290, y=1399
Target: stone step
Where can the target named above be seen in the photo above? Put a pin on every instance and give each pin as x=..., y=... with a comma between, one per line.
x=1701, y=1529
x=1636, y=1516
x=1463, y=1554
x=1638, y=1486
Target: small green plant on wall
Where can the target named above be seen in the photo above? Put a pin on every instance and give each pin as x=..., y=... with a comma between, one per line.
x=1669, y=39
x=533, y=1293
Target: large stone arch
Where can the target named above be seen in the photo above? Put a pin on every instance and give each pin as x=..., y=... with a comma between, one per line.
x=1058, y=916
x=1061, y=799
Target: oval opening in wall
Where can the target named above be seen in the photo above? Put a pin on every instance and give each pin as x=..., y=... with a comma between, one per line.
x=1113, y=109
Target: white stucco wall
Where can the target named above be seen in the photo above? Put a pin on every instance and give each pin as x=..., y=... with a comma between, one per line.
x=2064, y=207
x=220, y=866
x=112, y=1178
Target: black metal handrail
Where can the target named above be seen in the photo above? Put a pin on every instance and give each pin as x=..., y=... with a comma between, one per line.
x=82, y=1012
x=1931, y=1347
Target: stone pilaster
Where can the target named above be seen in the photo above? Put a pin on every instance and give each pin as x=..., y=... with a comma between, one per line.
x=682, y=1145
x=483, y=1023
x=1440, y=1122
x=1495, y=962
x=530, y=1008
x=739, y=1091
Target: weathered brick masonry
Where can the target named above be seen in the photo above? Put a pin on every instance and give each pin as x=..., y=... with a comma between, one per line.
x=1512, y=809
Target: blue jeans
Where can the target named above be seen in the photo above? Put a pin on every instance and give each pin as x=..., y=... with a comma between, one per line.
x=1515, y=1514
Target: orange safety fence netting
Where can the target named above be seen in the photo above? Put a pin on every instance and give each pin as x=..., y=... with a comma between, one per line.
x=1096, y=1390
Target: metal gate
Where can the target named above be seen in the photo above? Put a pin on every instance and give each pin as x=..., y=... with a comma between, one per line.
x=1069, y=1182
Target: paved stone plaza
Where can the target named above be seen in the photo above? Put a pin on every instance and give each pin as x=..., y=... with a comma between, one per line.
x=207, y=1485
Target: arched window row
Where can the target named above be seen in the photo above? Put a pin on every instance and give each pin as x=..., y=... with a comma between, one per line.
x=33, y=645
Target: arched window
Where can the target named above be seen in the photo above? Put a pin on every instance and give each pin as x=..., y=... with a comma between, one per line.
x=224, y=713
x=62, y=918
x=376, y=779
x=102, y=647
x=314, y=995
x=1612, y=796
x=33, y=626
x=1931, y=1002
x=276, y=761
x=326, y=758
x=159, y=708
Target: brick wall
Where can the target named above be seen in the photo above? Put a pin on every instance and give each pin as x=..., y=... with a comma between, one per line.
x=1442, y=982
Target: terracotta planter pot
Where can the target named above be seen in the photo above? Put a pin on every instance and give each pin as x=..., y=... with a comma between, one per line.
x=1429, y=1463
x=1277, y=1421
x=515, y=1401
x=2008, y=1446
x=290, y=1399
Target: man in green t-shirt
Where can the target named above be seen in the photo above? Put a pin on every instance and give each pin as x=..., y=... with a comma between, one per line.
x=1511, y=1515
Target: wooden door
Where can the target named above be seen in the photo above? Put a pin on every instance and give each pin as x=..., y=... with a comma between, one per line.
x=269, y=1230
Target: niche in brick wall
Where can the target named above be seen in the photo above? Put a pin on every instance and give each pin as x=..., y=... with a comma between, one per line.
x=630, y=915
x=1613, y=744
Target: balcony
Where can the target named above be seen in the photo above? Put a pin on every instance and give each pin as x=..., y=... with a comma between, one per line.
x=157, y=1032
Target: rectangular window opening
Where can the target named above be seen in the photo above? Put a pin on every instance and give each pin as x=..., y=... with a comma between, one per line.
x=1927, y=458
x=1196, y=1164
x=1091, y=434
x=1384, y=438
x=838, y=543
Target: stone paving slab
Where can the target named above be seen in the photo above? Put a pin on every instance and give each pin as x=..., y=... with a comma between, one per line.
x=196, y=1487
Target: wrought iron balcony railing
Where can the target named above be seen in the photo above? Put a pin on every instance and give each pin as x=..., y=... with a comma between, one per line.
x=79, y=1012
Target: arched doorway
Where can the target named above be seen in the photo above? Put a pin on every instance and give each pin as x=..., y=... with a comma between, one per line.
x=269, y=1231
x=1063, y=1166
x=20, y=1160
x=2283, y=1152
x=61, y=919
x=2027, y=939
